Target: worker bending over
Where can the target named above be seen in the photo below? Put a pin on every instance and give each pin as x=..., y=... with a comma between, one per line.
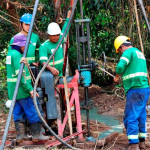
x=24, y=108
x=132, y=66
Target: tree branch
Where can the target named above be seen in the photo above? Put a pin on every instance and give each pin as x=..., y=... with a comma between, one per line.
x=8, y=20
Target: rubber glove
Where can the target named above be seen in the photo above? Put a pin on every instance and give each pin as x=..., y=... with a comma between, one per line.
x=8, y=103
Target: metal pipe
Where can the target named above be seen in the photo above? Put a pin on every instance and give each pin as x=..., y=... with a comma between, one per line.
x=89, y=46
x=39, y=75
x=19, y=78
x=78, y=45
x=66, y=47
x=82, y=26
x=84, y=63
x=144, y=13
x=65, y=57
x=81, y=9
x=106, y=72
x=87, y=109
x=104, y=64
x=57, y=6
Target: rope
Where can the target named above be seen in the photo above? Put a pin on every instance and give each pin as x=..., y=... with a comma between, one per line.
x=114, y=143
x=25, y=61
x=119, y=92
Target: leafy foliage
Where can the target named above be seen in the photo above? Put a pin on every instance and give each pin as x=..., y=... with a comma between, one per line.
x=108, y=20
x=3, y=88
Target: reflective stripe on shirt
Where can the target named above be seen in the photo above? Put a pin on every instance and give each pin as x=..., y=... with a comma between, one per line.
x=133, y=137
x=15, y=79
x=30, y=58
x=43, y=58
x=126, y=59
x=134, y=75
x=57, y=62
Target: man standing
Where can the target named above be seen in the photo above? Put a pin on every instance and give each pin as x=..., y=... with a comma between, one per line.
x=132, y=67
x=24, y=107
x=33, y=50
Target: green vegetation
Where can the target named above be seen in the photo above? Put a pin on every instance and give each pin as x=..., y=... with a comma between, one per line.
x=108, y=20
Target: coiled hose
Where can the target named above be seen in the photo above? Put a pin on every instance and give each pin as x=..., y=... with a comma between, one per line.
x=39, y=75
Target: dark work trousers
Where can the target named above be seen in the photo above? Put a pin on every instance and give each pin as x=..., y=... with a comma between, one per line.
x=47, y=82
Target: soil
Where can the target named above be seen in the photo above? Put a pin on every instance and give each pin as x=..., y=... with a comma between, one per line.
x=108, y=104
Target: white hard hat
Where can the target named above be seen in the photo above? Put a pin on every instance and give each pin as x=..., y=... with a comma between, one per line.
x=53, y=29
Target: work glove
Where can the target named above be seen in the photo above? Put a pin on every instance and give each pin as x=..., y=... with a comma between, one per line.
x=8, y=103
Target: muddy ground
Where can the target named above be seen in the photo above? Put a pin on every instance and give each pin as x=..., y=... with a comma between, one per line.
x=111, y=105
x=108, y=104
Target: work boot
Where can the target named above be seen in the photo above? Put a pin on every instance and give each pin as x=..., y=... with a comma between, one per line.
x=21, y=132
x=37, y=133
x=142, y=145
x=134, y=147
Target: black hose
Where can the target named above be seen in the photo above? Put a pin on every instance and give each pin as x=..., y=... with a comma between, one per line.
x=39, y=75
x=19, y=78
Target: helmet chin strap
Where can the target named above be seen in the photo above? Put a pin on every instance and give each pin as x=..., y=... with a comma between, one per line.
x=23, y=28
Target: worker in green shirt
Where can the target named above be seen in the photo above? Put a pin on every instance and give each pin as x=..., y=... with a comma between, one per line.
x=132, y=66
x=33, y=50
x=55, y=66
x=24, y=108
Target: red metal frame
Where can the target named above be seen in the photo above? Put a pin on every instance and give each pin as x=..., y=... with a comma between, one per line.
x=57, y=4
x=51, y=143
x=74, y=98
x=71, y=3
x=6, y=143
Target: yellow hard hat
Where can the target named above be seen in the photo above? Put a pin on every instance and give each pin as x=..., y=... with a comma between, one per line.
x=119, y=41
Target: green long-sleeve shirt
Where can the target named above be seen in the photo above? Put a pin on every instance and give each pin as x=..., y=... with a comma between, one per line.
x=47, y=49
x=33, y=49
x=132, y=66
x=13, y=65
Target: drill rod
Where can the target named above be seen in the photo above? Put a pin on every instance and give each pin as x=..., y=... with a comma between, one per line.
x=106, y=72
